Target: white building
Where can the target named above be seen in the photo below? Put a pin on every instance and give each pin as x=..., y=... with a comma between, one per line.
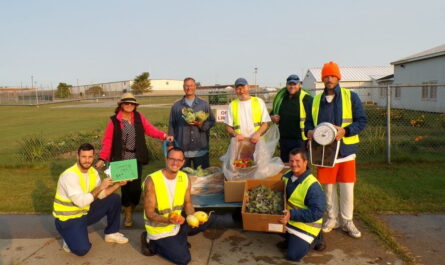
x=427, y=67
x=157, y=85
x=351, y=77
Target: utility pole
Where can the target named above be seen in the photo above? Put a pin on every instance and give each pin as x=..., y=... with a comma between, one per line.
x=32, y=87
x=256, y=86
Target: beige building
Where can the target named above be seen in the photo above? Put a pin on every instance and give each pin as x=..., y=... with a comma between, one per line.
x=158, y=86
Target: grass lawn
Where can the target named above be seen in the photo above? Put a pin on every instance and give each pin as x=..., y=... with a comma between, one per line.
x=20, y=122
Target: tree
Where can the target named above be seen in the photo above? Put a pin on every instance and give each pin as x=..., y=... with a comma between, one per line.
x=94, y=91
x=63, y=90
x=141, y=83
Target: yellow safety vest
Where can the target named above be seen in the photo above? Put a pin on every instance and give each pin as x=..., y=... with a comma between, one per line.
x=256, y=113
x=302, y=113
x=296, y=200
x=346, y=104
x=65, y=209
x=163, y=205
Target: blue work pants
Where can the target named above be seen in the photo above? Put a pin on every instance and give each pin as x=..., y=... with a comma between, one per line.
x=202, y=161
x=297, y=248
x=75, y=232
x=174, y=248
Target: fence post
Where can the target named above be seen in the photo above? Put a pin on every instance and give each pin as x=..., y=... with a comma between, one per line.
x=388, y=124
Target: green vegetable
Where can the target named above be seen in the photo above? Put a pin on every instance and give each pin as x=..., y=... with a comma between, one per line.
x=199, y=172
x=265, y=201
x=201, y=116
x=190, y=116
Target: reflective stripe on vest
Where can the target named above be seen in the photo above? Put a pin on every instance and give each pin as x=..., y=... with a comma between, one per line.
x=302, y=113
x=163, y=205
x=256, y=114
x=346, y=104
x=296, y=200
x=65, y=209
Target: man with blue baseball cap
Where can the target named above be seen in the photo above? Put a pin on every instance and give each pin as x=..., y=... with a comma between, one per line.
x=247, y=116
x=290, y=107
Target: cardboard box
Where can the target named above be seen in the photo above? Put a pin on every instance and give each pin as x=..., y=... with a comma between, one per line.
x=234, y=189
x=262, y=222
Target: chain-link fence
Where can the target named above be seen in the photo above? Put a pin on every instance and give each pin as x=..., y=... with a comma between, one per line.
x=405, y=122
x=410, y=127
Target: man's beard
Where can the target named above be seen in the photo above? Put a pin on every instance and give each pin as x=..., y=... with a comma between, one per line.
x=83, y=165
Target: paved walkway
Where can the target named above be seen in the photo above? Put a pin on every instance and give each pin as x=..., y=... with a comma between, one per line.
x=32, y=239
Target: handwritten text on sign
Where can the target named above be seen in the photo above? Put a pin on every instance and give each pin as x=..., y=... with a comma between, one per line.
x=221, y=115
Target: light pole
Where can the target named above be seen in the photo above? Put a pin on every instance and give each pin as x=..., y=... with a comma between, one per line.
x=32, y=87
x=256, y=86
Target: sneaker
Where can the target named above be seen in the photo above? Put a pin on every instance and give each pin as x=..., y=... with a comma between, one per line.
x=329, y=224
x=145, y=250
x=65, y=247
x=116, y=238
x=350, y=228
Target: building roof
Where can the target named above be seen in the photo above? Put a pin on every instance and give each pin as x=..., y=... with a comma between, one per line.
x=357, y=73
x=433, y=52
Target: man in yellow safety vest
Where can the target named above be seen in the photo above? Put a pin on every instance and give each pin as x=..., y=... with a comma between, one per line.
x=342, y=108
x=305, y=205
x=82, y=199
x=166, y=195
x=247, y=116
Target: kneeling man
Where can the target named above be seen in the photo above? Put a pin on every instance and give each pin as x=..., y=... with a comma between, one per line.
x=82, y=199
x=166, y=194
x=305, y=206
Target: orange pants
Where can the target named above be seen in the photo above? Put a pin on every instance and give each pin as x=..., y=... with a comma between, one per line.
x=341, y=172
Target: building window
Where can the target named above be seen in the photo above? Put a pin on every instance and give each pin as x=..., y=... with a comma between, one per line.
x=433, y=92
x=382, y=92
x=397, y=92
x=425, y=92
x=429, y=92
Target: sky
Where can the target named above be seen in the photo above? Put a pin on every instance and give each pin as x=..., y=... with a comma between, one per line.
x=214, y=41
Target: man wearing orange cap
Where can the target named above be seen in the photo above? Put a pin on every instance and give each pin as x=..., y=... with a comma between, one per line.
x=342, y=108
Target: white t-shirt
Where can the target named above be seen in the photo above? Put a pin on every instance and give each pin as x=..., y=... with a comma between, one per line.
x=69, y=187
x=246, y=117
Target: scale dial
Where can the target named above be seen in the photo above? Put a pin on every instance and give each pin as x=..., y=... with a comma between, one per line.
x=324, y=133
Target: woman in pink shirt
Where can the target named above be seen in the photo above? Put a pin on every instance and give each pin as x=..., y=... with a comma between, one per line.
x=124, y=138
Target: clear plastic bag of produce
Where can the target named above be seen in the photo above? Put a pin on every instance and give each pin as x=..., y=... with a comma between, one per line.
x=205, y=181
x=244, y=160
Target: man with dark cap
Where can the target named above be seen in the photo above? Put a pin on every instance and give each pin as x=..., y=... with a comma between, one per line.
x=247, y=116
x=342, y=108
x=290, y=107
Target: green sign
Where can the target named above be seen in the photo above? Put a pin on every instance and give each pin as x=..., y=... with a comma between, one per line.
x=124, y=170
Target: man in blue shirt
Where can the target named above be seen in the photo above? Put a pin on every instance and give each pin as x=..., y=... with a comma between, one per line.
x=342, y=108
x=305, y=205
x=192, y=137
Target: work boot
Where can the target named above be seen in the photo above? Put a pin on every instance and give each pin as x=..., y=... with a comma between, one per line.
x=320, y=244
x=145, y=250
x=329, y=224
x=349, y=227
x=128, y=216
x=282, y=244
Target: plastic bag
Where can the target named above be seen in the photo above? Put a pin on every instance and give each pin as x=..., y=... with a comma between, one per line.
x=212, y=183
x=264, y=164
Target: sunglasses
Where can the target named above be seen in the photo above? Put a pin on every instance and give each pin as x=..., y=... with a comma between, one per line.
x=129, y=103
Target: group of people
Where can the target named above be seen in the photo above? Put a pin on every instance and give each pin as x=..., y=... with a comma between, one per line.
x=83, y=199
